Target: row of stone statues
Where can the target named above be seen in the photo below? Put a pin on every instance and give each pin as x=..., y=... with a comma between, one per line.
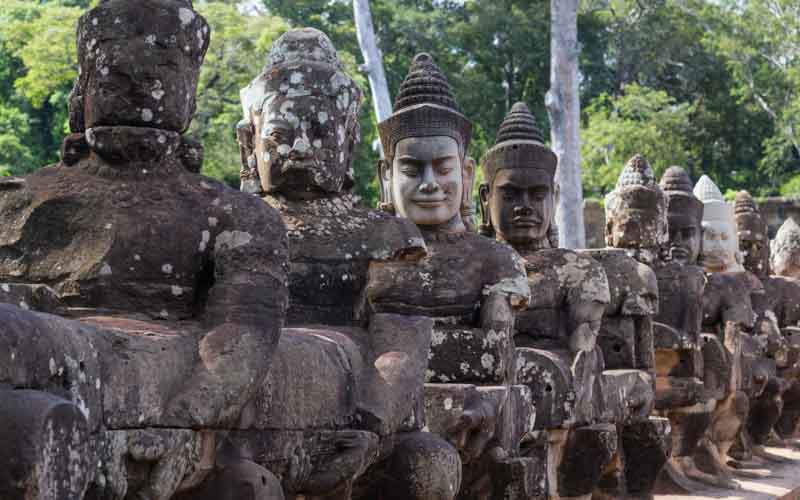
x=163, y=336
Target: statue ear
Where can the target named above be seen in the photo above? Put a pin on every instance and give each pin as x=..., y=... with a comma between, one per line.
x=486, y=229
x=244, y=136
x=385, y=183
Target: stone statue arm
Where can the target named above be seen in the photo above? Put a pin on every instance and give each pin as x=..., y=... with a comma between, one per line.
x=243, y=316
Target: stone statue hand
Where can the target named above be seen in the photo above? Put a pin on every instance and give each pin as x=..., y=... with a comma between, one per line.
x=300, y=470
x=233, y=360
x=474, y=429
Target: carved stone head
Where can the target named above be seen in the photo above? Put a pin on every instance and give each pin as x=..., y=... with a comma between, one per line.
x=720, y=247
x=636, y=210
x=752, y=233
x=684, y=217
x=517, y=198
x=425, y=176
x=139, y=65
x=786, y=250
x=300, y=124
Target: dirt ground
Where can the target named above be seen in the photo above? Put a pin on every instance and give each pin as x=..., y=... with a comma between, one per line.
x=784, y=484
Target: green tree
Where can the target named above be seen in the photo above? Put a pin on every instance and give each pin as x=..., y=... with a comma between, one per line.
x=641, y=120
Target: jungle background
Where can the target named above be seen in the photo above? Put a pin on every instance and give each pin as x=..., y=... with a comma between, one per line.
x=711, y=85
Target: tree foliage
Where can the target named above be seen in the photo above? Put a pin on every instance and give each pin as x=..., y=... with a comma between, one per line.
x=711, y=85
x=643, y=121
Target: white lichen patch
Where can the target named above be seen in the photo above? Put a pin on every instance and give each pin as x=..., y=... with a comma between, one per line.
x=166, y=269
x=105, y=270
x=213, y=221
x=177, y=291
x=147, y=115
x=186, y=16
x=205, y=237
x=228, y=240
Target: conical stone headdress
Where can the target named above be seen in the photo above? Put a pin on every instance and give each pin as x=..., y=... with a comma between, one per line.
x=677, y=187
x=519, y=144
x=714, y=205
x=745, y=204
x=425, y=107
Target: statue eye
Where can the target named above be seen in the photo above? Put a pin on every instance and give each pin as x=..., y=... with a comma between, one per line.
x=409, y=170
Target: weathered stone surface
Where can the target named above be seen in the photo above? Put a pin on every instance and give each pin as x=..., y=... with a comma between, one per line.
x=46, y=450
x=177, y=281
x=352, y=372
x=472, y=300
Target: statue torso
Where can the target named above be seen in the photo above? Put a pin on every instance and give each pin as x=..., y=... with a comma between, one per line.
x=123, y=241
x=559, y=280
x=332, y=242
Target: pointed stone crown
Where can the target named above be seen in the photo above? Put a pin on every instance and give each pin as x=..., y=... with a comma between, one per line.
x=745, y=204
x=637, y=172
x=520, y=144
x=519, y=124
x=425, y=84
x=681, y=200
x=425, y=107
x=676, y=179
x=706, y=190
x=303, y=46
x=787, y=237
x=714, y=205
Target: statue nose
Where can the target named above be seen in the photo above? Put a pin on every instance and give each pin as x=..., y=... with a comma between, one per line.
x=429, y=184
x=429, y=187
x=523, y=210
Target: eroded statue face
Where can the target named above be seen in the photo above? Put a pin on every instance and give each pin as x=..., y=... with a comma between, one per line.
x=426, y=180
x=684, y=239
x=141, y=72
x=629, y=229
x=303, y=145
x=521, y=205
x=754, y=248
x=719, y=246
x=787, y=263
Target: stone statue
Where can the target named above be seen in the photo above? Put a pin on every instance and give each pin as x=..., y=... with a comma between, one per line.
x=342, y=409
x=636, y=228
x=729, y=315
x=785, y=250
x=783, y=288
x=680, y=391
x=152, y=270
x=778, y=313
x=556, y=337
x=470, y=285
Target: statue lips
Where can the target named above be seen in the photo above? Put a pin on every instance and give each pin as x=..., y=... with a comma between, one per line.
x=431, y=202
x=526, y=222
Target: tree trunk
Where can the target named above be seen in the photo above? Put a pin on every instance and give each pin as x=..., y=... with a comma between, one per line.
x=373, y=61
x=563, y=105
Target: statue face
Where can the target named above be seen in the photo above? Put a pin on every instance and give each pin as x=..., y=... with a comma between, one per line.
x=755, y=250
x=521, y=205
x=631, y=227
x=787, y=263
x=303, y=146
x=141, y=77
x=684, y=239
x=426, y=180
x=719, y=246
